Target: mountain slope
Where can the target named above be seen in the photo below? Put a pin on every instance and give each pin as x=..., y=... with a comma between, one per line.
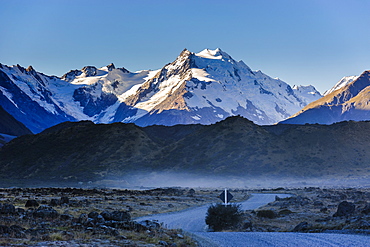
x=24, y=93
x=349, y=102
x=203, y=87
x=341, y=83
x=10, y=126
x=233, y=147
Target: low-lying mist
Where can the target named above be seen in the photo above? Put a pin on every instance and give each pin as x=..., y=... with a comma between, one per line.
x=164, y=179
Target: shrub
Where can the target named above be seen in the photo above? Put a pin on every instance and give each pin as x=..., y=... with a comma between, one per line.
x=267, y=214
x=220, y=217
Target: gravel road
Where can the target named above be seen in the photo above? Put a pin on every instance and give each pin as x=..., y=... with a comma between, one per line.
x=193, y=221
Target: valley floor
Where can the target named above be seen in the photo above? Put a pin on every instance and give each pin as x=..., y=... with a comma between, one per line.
x=106, y=217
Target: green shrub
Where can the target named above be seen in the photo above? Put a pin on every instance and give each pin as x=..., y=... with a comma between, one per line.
x=220, y=217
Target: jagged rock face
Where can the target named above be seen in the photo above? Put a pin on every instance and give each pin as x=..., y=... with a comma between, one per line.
x=203, y=87
x=89, y=71
x=71, y=75
x=111, y=67
x=349, y=102
x=93, y=105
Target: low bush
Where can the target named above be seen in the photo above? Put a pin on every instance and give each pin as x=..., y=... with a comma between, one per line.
x=267, y=214
x=220, y=217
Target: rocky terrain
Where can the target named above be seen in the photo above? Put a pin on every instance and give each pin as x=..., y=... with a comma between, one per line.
x=314, y=210
x=106, y=217
x=95, y=217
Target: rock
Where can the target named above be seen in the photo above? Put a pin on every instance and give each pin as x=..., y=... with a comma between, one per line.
x=301, y=227
x=20, y=211
x=64, y=200
x=247, y=224
x=7, y=209
x=366, y=209
x=116, y=215
x=93, y=215
x=323, y=210
x=66, y=217
x=82, y=219
x=31, y=203
x=191, y=192
x=344, y=209
x=54, y=202
x=149, y=224
x=99, y=219
x=163, y=243
x=45, y=211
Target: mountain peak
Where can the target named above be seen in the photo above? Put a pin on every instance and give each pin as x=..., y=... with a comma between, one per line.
x=213, y=54
x=30, y=69
x=341, y=83
x=89, y=70
x=185, y=53
x=347, y=100
x=111, y=67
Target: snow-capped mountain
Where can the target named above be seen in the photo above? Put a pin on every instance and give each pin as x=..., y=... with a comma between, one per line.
x=203, y=87
x=347, y=100
x=209, y=86
x=341, y=83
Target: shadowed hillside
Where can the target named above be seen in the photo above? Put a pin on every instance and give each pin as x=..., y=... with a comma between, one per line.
x=10, y=126
x=234, y=147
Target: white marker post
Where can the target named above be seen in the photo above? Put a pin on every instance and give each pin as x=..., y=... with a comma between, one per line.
x=226, y=202
x=226, y=197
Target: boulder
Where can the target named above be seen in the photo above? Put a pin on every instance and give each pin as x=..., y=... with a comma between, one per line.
x=149, y=224
x=64, y=200
x=83, y=218
x=31, y=203
x=93, y=215
x=116, y=215
x=191, y=192
x=344, y=209
x=54, y=202
x=45, y=211
x=301, y=227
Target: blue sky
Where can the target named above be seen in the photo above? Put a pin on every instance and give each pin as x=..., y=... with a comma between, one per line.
x=300, y=41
